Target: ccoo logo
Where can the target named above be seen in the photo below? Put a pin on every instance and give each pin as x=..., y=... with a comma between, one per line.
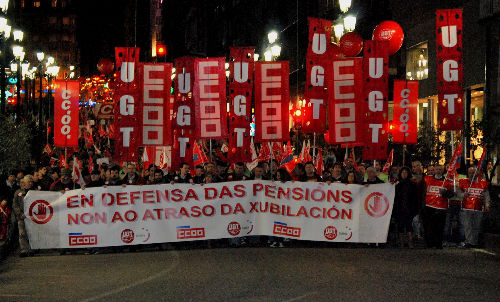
x=376, y=204
x=44, y=212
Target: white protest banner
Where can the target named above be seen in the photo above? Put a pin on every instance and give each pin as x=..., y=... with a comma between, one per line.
x=113, y=216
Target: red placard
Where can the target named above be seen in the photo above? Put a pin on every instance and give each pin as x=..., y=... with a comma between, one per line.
x=450, y=68
x=318, y=68
x=241, y=82
x=126, y=104
x=271, y=101
x=154, y=110
x=66, y=102
x=405, y=115
x=183, y=122
x=376, y=73
x=345, y=95
x=210, y=98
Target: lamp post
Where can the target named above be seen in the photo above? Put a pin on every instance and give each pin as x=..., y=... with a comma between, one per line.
x=40, y=56
x=18, y=53
x=3, y=40
x=52, y=72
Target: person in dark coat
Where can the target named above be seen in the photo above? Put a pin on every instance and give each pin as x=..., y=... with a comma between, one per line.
x=405, y=205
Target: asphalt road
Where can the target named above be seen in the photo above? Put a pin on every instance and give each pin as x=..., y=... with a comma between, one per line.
x=255, y=274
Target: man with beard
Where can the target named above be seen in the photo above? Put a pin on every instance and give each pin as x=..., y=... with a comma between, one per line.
x=65, y=183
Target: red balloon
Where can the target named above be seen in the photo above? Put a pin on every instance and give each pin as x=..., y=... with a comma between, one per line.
x=336, y=53
x=389, y=31
x=351, y=44
x=105, y=66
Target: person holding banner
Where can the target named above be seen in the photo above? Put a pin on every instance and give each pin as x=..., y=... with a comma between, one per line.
x=65, y=183
x=132, y=177
x=18, y=207
x=476, y=200
x=310, y=173
x=438, y=189
x=184, y=176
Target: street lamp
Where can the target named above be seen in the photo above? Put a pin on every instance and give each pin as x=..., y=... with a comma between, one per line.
x=256, y=56
x=344, y=5
x=339, y=31
x=272, y=37
x=40, y=56
x=18, y=53
x=18, y=35
x=276, y=50
x=268, y=55
x=4, y=5
x=349, y=23
x=50, y=61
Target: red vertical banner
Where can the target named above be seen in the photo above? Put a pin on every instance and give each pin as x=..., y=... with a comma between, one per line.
x=450, y=69
x=126, y=101
x=183, y=121
x=376, y=89
x=210, y=98
x=154, y=110
x=318, y=68
x=405, y=114
x=241, y=82
x=271, y=101
x=66, y=106
x=345, y=101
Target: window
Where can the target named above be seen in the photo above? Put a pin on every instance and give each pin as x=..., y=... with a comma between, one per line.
x=417, y=59
x=52, y=20
x=65, y=38
x=36, y=3
x=54, y=3
x=66, y=20
x=22, y=3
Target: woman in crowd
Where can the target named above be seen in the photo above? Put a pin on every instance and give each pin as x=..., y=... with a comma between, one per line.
x=405, y=205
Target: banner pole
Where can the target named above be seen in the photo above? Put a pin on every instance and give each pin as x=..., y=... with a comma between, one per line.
x=453, y=151
x=211, y=150
x=404, y=154
x=314, y=145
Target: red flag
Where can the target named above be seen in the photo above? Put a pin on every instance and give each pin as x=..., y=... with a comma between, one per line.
x=199, y=156
x=255, y=158
x=265, y=152
x=389, y=162
x=62, y=162
x=454, y=163
x=354, y=164
x=111, y=130
x=102, y=132
x=52, y=161
x=91, y=164
x=304, y=154
x=48, y=149
x=89, y=139
x=77, y=172
x=319, y=163
x=277, y=151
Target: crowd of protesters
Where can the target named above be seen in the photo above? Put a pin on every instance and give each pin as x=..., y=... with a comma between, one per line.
x=434, y=216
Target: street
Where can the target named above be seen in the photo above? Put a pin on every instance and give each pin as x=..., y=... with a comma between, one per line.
x=255, y=274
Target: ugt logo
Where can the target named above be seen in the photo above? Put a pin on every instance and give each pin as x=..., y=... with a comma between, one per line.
x=376, y=204
x=44, y=212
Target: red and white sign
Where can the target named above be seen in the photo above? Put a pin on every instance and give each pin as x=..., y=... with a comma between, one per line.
x=82, y=240
x=345, y=107
x=449, y=30
x=43, y=214
x=210, y=98
x=183, y=120
x=405, y=115
x=271, y=101
x=171, y=213
x=318, y=68
x=241, y=82
x=66, y=106
x=154, y=110
x=376, y=89
x=127, y=101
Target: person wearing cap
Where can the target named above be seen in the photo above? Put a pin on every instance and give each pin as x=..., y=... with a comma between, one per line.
x=65, y=183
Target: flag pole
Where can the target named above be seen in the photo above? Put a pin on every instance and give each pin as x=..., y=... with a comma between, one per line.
x=452, y=151
x=404, y=154
x=314, y=145
x=211, y=160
